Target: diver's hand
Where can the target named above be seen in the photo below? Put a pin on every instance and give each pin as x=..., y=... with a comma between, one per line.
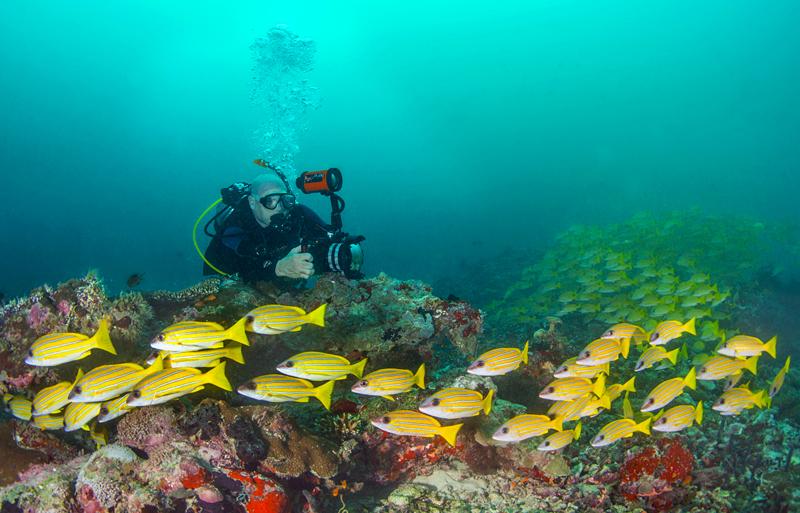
x=295, y=265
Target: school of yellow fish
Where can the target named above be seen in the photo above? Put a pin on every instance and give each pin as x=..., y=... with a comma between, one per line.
x=578, y=390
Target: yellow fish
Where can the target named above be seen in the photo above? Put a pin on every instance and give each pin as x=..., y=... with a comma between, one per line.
x=278, y=388
x=168, y=384
x=194, y=336
x=388, y=382
x=499, y=361
x=664, y=393
x=622, y=428
x=526, y=426
x=559, y=440
x=456, y=403
x=58, y=348
x=276, y=319
x=51, y=399
x=320, y=366
x=412, y=423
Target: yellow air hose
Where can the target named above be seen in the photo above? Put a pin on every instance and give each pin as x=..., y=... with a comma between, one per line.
x=194, y=237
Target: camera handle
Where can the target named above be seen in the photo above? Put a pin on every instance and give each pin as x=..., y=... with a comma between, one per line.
x=337, y=207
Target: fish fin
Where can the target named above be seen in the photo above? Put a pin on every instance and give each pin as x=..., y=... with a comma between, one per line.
x=487, y=402
x=760, y=398
x=157, y=365
x=689, y=380
x=323, y=393
x=525, y=352
x=577, y=431
x=80, y=373
x=768, y=402
x=237, y=332
x=684, y=352
x=388, y=397
x=769, y=347
x=605, y=401
x=449, y=433
x=216, y=376
x=698, y=413
x=358, y=368
x=101, y=340
x=643, y=426
x=626, y=347
x=235, y=352
x=750, y=364
x=785, y=366
x=599, y=386
x=629, y=385
x=558, y=423
x=672, y=356
x=689, y=326
x=317, y=316
x=419, y=377
x=302, y=400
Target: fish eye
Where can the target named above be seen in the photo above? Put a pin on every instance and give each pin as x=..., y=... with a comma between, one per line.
x=250, y=319
x=772, y=390
x=601, y=437
x=479, y=363
x=703, y=370
x=587, y=354
x=547, y=444
x=609, y=333
x=435, y=402
x=137, y=394
x=30, y=353
x=363, y=383
x=551, y=389
x=251, y=385
x=386, y=420
x=663, y=421
x=722, y=401
x=104, y=410
x=505, y=431
x=161, y=337
x=289, y=365
x=651, y=401
x=77, y=390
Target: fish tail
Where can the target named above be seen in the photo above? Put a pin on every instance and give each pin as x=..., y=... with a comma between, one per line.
x=786, y=365
x=237, y=332
x=101, y=340
x=358, y=368
x=157, y=365
x=577, y=431
x=80, y=374
x=487, y=402
x=698, y=413
x=449, y=433
x=750, y=364
x=558, y=423
x=689, y=380
x=235, y=352
x=525, y=352
x=644, y=426
x=760, y=398
x=317, y=316
x=672, y=356
x=605, y=401
x=323, y=393
x=599, y=387
x=683, y=352
x=689, y=326
x=769, y=347
x=626, y=347
x=419, y=377
x=216, y=376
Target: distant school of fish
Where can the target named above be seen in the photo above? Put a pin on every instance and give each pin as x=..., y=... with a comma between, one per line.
x=578, y=390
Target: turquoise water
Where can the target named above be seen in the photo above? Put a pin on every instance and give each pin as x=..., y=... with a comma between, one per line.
x=462, y=131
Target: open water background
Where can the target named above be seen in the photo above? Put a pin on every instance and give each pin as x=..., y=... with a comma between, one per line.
x=462, y=131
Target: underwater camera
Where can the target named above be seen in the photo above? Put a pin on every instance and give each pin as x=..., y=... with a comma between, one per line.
x=340, y=252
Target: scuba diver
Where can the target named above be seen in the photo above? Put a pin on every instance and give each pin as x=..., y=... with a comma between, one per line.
x=263, y=234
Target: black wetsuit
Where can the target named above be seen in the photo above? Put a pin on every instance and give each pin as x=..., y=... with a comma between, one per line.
x=255, y=251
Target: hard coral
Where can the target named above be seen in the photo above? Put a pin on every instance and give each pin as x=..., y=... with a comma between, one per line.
x=293, y=450
x=147, y=428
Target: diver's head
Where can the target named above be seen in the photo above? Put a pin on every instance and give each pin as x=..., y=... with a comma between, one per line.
x=269, y=196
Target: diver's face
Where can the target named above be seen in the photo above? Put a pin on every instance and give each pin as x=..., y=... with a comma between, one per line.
x=262, y=214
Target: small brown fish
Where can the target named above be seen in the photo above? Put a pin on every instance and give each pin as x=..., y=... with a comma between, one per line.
x=134, y=280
